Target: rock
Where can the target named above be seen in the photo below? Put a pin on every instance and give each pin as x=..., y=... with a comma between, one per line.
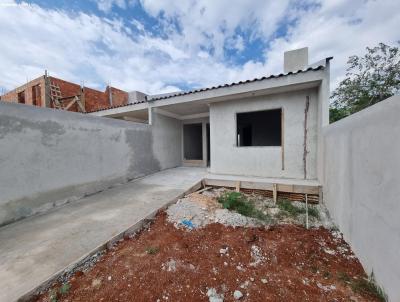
x=213, y=296
x=264, y=281
x=245, y=284
x=224, y=251
x=96, y=282
x=237, y=295
x=256, y=255
x=169, y=266
x=109, y=278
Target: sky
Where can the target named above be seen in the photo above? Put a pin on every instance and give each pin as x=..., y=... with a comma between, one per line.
x=159, y=46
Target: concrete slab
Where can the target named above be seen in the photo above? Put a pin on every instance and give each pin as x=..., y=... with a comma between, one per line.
x=35, y=248
x=286, y=181
x=288, y=185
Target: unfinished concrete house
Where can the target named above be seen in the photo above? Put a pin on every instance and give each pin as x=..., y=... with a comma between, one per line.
x=268, y=127
x=51, y=92
x=97, y=179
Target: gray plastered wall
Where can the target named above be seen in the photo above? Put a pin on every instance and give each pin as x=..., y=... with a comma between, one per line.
x=50, y=157
x=227, y=158
x=361, y=187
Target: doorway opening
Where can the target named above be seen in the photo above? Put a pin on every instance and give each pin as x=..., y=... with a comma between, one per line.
x=193, y=142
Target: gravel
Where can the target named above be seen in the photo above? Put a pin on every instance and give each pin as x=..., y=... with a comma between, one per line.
x=200, y=216
x=197, y=210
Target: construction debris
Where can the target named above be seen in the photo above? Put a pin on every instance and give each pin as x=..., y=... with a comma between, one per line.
x=201, y=208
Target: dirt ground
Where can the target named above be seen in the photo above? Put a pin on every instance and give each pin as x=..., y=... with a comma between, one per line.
x=267, y=263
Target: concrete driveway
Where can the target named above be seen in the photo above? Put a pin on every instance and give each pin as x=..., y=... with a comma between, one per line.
x=34, y=249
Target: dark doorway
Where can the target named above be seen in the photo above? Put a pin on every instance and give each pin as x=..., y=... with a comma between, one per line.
x=259, y=128
x=193, y=142
x=21, y=97
x=36, y=95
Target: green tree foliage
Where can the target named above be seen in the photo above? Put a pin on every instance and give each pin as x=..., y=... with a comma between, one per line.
x=369, y=80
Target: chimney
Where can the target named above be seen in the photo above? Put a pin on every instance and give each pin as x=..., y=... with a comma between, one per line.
x=295, y=60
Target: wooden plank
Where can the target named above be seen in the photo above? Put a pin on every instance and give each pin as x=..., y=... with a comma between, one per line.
x=256, y=185
x=287, y=188
x=237, y=186
x=70, y=105
x=274, y=193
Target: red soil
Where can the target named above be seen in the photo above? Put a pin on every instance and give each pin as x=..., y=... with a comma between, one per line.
x=296, y=266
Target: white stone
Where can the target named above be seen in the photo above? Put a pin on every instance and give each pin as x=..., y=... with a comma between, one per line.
x=237, y=295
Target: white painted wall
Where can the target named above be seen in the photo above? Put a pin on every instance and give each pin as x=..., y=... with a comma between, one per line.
x=361, y=187
x=227, y=158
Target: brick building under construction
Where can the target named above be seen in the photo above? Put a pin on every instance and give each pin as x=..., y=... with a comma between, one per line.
x=51, y=92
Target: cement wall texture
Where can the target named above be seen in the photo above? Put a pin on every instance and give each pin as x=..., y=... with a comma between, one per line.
x=266, y=161
x=49, y=157
x=361, y=187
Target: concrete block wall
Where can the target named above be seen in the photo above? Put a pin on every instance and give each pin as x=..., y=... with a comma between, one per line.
x=49, y=157
x=361, y=187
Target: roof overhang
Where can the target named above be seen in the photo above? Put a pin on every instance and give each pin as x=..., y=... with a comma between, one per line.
x=191, y=103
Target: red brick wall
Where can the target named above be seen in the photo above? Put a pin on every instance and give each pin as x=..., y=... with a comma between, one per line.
x=95, y=99
x=67, y=89
x=12, y=96
x=119, y=97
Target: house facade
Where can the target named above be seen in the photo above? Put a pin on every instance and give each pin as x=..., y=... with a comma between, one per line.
x=266, y=127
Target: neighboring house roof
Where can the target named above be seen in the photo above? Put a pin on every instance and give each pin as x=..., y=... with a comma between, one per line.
x=150, y=98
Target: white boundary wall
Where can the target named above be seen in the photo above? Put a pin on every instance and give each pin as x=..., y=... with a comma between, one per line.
x=362, y=187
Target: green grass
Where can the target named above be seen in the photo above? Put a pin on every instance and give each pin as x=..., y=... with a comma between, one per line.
x=236, y=201
x=363, y=286
x=64, y=289
x=152, y=250
x=313, y=212
x=291, y=210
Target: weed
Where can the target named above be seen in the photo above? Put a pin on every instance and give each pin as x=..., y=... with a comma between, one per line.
x=289, y=209
x=64, y=289
x=236, y=201
x=341, y=276
x=152, y=250
x=327, y=275
x=53, y=296
x=314, y=269
x=363, y=286
x=313, y=212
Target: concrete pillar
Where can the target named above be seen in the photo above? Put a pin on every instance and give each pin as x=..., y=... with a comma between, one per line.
x=204, y=137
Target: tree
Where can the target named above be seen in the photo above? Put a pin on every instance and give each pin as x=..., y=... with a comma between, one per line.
x=369, y=80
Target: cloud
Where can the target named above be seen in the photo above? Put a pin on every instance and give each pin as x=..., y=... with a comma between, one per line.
x=339, y=29
x=209, y=24
x=106, y=5
x=187, y=45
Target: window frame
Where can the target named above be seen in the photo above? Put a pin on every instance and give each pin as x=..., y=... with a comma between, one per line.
x=236, y=141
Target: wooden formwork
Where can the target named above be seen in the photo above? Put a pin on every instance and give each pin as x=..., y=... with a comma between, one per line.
x=282, y=191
